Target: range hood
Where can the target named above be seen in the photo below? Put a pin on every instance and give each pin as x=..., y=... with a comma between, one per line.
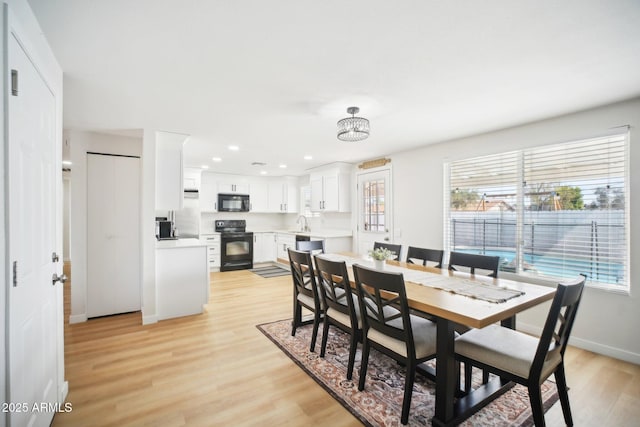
x=191, y=193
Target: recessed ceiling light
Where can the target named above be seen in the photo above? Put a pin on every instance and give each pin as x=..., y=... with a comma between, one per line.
x=204, y=166
x=263, y=172
x=282, y=166
x=216, y=159
x=308, y=157
x=67, y=162
x=233, y=148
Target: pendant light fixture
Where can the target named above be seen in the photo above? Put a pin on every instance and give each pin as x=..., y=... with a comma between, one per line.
x=353, y=128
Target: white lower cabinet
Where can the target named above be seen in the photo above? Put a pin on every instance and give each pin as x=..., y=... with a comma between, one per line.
x=213, y=250
x=284, y=241
x=264, y=247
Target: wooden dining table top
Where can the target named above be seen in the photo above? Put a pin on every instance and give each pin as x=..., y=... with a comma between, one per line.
x=471, y=312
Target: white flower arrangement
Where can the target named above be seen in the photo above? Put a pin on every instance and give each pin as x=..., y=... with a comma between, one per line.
x=381, y=254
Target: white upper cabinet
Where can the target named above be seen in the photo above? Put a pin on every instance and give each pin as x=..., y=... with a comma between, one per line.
x=192, y=178
x=331, y=189
x=208, y=192
x=233, y=184
x=169, y=170
x=283, y=195
x=258, y=195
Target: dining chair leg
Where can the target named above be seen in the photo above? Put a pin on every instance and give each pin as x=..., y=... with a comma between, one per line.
x=316, y=325
x=408, y=391
x=297, y=318
x=535, y=398
x=363, y=364
x=325, y=336
x=561, y=383
x=353, y=346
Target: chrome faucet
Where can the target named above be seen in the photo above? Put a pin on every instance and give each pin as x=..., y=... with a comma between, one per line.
x=306, y=223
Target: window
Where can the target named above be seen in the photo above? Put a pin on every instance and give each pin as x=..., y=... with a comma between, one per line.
x=373, y=208
x=553, y=211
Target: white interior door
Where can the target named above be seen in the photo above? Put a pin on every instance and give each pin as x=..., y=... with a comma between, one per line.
x=113, y=234
x=375, y=213
x=33, y=298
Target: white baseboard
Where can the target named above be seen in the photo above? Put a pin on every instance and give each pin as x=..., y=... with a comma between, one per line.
x=147, y=320
x=78, y=318
x=616, y=353
x=64, y=392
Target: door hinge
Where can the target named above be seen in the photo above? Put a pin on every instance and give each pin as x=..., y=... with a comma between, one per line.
x=15, y=273
x=14, y=82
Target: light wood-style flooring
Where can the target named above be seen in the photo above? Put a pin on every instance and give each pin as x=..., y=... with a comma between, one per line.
x=218, y=369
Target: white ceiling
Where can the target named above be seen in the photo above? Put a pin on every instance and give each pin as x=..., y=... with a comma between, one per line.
x=273, y=77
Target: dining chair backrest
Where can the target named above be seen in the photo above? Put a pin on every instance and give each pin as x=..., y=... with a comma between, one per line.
x=335, y=287
x=475, y=261
x=425, y=255
x=396, y=249
x=557, y=328
x=313, y=246
x=303, y=275
x=383, y=304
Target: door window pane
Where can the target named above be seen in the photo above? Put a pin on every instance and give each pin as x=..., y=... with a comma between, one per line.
x=374, y=207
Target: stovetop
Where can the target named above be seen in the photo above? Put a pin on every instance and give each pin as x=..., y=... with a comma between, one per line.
x=230, y=225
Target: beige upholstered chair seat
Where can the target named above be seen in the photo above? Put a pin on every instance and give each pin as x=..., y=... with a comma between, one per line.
x=424, y=338
x=504, y=348
x=343, y=317
x=305, y=299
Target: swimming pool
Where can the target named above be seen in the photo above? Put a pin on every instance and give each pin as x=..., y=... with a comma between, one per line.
x=556, y=267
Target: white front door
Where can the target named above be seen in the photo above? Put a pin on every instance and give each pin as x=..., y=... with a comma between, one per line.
x=33, y=177
x=375, y=216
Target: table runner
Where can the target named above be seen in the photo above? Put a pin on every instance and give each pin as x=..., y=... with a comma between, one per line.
x=456, y=285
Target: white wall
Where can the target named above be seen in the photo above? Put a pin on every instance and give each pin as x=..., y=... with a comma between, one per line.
x=606, y=321
x=80, y=143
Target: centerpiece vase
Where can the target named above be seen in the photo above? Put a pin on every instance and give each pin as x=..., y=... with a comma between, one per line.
x=379, y=264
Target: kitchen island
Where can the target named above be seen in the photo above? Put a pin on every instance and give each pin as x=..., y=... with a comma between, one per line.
x=182, y=277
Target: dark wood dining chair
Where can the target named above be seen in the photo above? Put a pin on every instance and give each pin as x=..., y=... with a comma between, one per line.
x=305, y=292
x=396, y=249
x=341, y=304
x=389, y=327
x=488, y=264
x=475, y=261
x=313, y=246
x=425, y=255
x=524, y=359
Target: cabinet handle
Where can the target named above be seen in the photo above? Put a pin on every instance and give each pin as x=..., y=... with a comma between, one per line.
x=215, y=206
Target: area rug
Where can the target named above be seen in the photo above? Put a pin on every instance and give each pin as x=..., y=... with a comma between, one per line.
x=380, y=403
x=270, y=271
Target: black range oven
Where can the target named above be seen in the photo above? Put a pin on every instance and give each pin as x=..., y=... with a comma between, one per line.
x=236, y=245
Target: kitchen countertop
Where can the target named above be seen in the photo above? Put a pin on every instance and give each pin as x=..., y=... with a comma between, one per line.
x=179, y=243
x=325, y=234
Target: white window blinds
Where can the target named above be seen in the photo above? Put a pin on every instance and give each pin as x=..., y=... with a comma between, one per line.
x=553, y=211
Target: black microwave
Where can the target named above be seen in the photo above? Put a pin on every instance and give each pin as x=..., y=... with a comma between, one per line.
x=233, y=202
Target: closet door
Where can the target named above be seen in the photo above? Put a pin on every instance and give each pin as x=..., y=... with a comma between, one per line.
x=113, y=234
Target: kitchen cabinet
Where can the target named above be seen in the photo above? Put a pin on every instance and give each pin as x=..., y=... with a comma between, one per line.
x=233, y=184
x=258, y=195
x=284, y=241
x=208, y=192
x=264, y=247
x=331, y=189
x=182, y=278
x=212, y=241
x=283, y=195
x=192, y=178
x=169, y=171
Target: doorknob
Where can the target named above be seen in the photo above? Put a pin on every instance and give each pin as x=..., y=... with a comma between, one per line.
x=386, y=239
x=55, y=278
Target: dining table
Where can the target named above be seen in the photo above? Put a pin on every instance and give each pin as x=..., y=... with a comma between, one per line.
x=453, y=298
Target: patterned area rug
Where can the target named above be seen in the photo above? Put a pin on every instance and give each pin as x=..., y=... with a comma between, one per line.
x=270, y=271
x=380, y=403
